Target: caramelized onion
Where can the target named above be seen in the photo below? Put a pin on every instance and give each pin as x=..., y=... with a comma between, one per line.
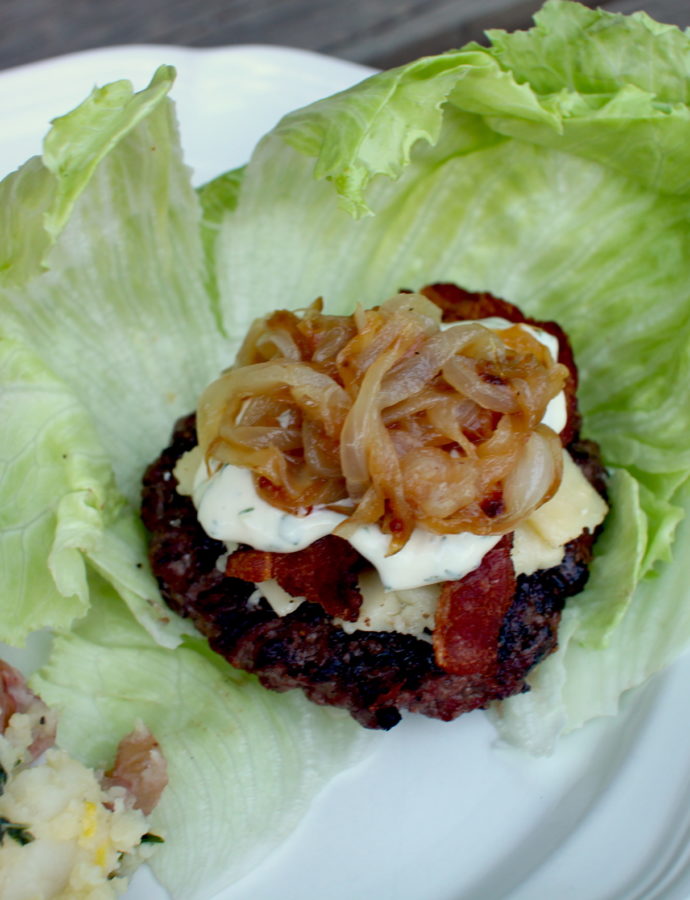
x=387, y=414
x=536, y=474
x=491, y=393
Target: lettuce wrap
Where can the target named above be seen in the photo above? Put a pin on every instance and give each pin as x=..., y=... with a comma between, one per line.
x=551, y=168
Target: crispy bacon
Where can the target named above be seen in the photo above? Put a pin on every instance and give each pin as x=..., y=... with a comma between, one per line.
x=470, y=614
x=324, y=573
x=251, y=565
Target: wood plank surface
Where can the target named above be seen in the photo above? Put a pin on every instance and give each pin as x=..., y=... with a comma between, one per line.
x=377, y=32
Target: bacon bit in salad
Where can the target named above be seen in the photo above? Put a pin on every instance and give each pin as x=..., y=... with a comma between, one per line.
x=140, y=768
x=17, y=697
x=389, y=416
x=470, y=613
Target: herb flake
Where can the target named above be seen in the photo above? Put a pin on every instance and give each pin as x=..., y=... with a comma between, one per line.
x=18, y=833
x=150, y=838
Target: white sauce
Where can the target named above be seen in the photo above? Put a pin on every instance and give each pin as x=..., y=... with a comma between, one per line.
x=556, y=413
x=230, y=510
x=538, y=543
x=426, y=558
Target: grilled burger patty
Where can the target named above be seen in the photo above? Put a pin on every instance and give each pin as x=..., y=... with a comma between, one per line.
x=374, y=675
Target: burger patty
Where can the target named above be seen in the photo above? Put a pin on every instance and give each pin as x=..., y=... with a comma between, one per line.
x=374, y=675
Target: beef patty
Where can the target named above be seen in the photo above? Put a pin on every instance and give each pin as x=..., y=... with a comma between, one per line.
x=374, y=675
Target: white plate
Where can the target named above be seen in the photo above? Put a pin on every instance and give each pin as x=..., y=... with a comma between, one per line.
x=437, y=812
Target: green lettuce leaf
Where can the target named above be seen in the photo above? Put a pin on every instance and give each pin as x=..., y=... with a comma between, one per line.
x=371, y=129
x=80, y=140
x=101, y=245
x=60, y=512
x=117, y=270
x=600, y=74
x=617, y=566
x=55, y=480
x=243, y=762
x=639, y=533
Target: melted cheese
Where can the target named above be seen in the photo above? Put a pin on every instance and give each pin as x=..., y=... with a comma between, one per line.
x=539, y=542
x=281, y=602
x=408, y=612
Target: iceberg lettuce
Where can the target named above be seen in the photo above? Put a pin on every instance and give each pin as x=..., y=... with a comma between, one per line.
x=550, y=168
x=54, y=481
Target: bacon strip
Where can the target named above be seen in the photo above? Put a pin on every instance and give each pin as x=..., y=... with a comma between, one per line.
x=470, y=614
x=324, y=573
x=251, y=565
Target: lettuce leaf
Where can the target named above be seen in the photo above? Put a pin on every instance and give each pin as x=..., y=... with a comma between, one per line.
x=116, y=268
x=600, y=74
x=55, y=480
x=582, y=681
x=102, y=245
x=618, y=564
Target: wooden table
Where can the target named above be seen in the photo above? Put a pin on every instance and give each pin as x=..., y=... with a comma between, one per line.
x=376, y=32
